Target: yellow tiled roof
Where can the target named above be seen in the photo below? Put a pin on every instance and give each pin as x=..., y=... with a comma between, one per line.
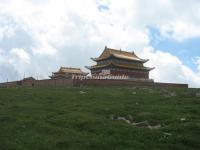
x=118, y=54
x=29, y=78
x=64, y=70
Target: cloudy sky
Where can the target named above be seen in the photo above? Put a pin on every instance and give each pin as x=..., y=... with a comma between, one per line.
x=39, y=36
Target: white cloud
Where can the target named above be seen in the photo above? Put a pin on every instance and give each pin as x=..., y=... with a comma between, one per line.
x=15, y=61
x=20, y=55
x=69, y=32
x=6, y=31
x=198, y=64
x=180, y=30
x=178, y=20
x=169, y=68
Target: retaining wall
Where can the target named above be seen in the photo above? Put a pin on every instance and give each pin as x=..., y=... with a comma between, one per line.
x=89, y=82
x=129, y=83
x=48, y=83
x=39, y=83
x=9, y=84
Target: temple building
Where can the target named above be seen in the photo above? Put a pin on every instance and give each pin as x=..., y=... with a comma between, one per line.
x=67, y=72
x=118, y=63
x=28, y=79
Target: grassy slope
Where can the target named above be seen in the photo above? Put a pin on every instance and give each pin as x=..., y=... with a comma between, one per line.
x=62, y=118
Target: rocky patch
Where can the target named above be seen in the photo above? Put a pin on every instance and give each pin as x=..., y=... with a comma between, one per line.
x=129, y=119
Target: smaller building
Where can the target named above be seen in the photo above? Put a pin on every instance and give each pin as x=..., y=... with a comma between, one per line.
x=67, y=73
x=29, y=79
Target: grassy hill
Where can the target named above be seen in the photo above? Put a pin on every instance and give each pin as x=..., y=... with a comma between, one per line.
x=99, y=118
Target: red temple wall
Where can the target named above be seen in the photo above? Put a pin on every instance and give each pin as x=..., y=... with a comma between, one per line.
x=107, y=83
x=132, y=74
x=91, y=82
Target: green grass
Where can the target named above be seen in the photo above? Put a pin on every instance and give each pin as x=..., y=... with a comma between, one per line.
x=63, y=118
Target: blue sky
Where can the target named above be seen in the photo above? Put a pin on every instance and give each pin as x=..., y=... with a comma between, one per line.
x=186, y=50
x=39, y=36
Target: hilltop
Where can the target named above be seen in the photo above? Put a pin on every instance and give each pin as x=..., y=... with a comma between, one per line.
x=99, y=118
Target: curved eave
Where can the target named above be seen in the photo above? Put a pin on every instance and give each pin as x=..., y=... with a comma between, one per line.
x=136, y=68
x=151, y=68
x=85, y=73
x=128, y=58
x=94, y=59
x=64, y=73
x=97, y=66
x=144, y=60
x=88, y=67
x=58, y=73
x=121, y=57
x=117, y=65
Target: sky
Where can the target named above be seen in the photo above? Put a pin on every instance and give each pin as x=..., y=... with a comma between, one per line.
x=39, y=36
